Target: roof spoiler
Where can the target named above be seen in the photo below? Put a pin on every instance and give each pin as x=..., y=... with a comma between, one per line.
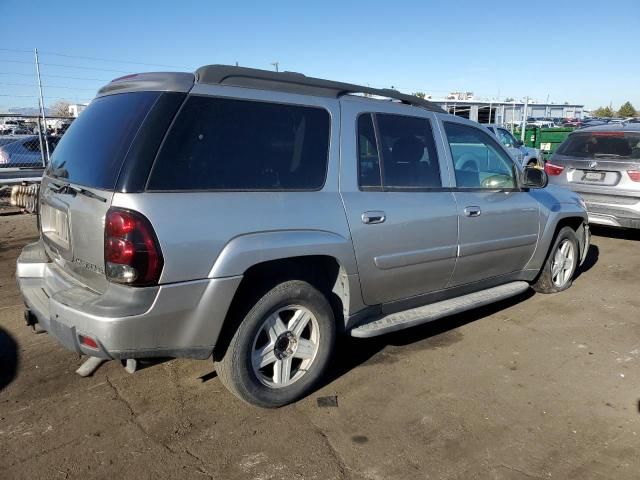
x=152, y=81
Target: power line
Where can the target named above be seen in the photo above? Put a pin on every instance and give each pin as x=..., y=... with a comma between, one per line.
x=31, y=96
x=47, y=86
x=65, y=66
x=58, y=76
x=116, y=61
x=99, y=59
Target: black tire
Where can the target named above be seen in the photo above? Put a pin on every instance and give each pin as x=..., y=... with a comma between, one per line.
x=545, y=282
x=235, y=369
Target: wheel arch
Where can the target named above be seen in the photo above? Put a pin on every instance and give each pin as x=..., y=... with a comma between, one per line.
x=323, y=259
x=576, y=220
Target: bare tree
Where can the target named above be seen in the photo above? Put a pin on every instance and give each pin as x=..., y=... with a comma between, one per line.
x=60, y=109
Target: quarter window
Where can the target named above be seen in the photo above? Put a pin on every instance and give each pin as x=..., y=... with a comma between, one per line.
x=368, y=159
x=224, y=144
x=479, y=162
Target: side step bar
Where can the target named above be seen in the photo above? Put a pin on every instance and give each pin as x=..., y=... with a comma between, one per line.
x=417, y=316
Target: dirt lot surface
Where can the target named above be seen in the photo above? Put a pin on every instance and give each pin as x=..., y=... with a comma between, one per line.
x=538, y=387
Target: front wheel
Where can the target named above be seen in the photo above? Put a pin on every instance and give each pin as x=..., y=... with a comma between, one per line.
x=561, y=264
x=281, y=349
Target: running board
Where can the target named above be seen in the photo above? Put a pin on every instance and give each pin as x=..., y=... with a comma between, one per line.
x=417, y=316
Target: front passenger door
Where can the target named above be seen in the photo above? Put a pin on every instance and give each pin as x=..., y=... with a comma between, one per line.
x=498, y=221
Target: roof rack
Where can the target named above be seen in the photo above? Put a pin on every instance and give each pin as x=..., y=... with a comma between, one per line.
x=293, y=82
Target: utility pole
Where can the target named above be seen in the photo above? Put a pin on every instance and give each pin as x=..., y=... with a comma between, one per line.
x=44, y=118
x=524, y=118
x=275, y=64
x=513, y=115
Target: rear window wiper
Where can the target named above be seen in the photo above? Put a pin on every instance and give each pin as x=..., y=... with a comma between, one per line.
x=68, y=188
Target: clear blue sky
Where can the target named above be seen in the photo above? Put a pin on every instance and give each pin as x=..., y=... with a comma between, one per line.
x=505, y=48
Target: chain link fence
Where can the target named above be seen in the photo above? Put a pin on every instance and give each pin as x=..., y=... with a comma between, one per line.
x=26, y=142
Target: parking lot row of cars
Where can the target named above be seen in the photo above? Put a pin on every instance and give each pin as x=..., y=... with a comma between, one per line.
x=549, y=122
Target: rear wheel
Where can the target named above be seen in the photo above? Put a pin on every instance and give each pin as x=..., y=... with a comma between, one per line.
x=561, y=264
x=282, y=346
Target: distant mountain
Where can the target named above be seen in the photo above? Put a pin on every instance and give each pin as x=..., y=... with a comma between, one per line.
x=27, y=111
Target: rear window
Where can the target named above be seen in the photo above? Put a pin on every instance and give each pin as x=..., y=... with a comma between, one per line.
x=616, y=145
x=224, y=144
x=92, y=150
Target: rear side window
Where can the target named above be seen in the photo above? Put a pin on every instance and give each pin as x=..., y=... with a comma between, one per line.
x=614, y=145
x=224, y=144
x=92, y=150
x=408, y=152
x=409, y=157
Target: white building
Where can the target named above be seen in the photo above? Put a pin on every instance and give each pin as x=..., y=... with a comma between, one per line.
x=484, y=111
x=76, y=108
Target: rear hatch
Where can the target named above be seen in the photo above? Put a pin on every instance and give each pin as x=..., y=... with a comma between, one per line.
x=78, y=186
x=602, y=161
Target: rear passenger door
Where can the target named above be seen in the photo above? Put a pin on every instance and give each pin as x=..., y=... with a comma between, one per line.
x=403, y=225
x=499, y=221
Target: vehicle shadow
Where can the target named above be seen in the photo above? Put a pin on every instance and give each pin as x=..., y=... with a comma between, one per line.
x=9, y=359
x=592, y=258
x=619, y=233
x=353, y=352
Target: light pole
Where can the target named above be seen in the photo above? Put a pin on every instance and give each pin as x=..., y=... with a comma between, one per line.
x=275, y=64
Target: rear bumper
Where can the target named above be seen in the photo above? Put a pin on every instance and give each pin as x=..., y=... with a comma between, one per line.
x=610, y=207
x=614, y=214
x=177, y=320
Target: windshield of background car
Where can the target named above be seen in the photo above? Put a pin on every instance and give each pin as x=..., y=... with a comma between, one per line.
x=618, y=145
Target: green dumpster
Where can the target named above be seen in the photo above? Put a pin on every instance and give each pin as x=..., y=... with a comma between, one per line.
x=545, y=139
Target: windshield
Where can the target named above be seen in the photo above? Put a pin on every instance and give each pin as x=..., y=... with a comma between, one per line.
x=619, y=145
x=92, y=150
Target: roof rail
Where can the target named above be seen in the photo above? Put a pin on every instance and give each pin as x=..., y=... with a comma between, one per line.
x=293, y=82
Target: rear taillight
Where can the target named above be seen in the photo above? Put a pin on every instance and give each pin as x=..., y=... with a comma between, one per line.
x=552, y=169
x=131, y=252
x=634, y=175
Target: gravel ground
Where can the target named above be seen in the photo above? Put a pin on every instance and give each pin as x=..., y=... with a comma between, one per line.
x=542, y=386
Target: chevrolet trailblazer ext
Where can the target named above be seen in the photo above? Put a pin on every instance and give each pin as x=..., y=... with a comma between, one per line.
x=253, y=216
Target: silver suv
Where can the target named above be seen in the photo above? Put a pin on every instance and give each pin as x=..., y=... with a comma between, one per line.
x=253, y=216
x=602, y=164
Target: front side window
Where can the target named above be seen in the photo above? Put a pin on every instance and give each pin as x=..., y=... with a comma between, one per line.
x=478, y=160
x=225, y=144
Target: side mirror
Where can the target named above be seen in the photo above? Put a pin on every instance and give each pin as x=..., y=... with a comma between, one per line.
x=533, y=177
x=519, y=143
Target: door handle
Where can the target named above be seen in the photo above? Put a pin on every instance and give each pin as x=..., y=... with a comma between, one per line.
x=472, y=211
x=374, y=216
